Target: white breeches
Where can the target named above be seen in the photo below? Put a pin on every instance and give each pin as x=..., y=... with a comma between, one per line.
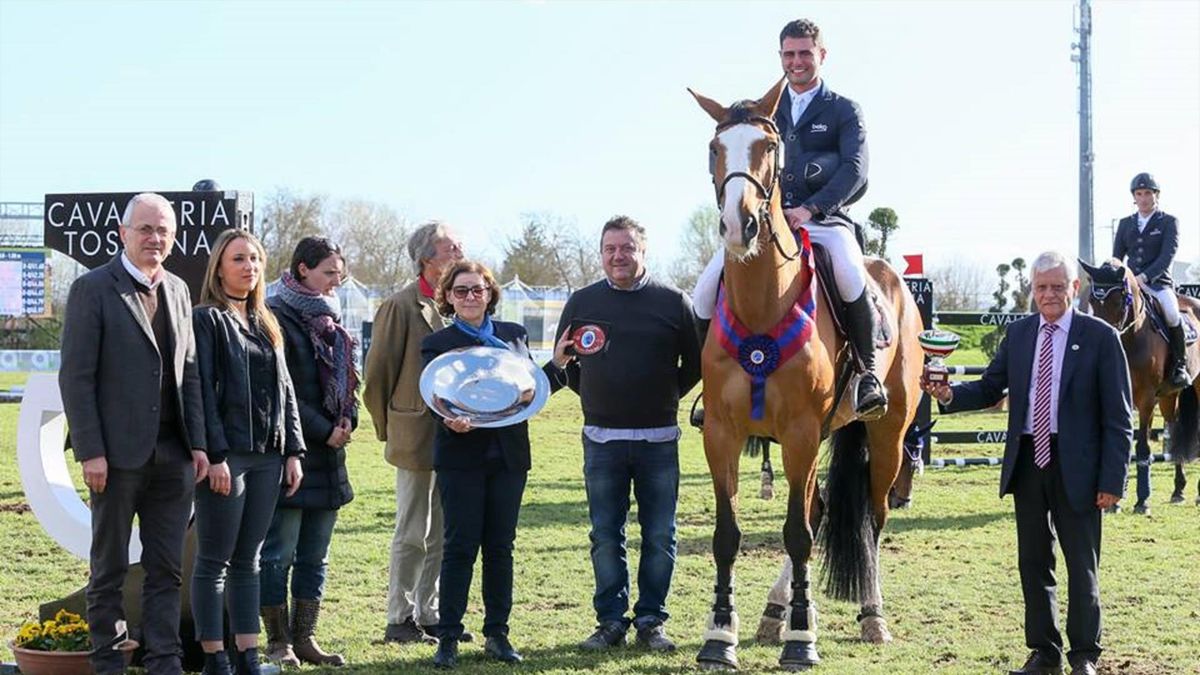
x=849, y=274
x=1166, y=298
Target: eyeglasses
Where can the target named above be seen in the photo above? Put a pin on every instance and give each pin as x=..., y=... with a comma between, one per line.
x=461, y=292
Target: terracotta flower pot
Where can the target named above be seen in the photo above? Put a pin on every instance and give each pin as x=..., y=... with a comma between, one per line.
x=36, y=662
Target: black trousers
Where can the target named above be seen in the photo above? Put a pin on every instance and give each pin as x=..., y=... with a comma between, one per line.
x=1043, y=515
x=480, y=509
x=160, y=495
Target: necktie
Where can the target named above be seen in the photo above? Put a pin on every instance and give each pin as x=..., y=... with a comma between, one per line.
x=1041, y=398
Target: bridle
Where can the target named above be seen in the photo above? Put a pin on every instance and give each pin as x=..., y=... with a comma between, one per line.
x=768, y=190
x=1099, y=295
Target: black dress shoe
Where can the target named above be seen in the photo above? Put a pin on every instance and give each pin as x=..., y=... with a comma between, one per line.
x=408, y=632
x=446, y=656
x=1084, y=667
x=499, y=648
x=1039, y=664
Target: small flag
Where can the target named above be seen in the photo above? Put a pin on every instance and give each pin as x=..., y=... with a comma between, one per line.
x=916, y=265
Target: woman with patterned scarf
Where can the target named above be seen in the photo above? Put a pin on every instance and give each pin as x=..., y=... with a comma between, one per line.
x=320, y=357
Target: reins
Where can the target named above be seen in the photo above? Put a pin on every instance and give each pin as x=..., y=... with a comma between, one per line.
x=767, y=191
x=1099, y=294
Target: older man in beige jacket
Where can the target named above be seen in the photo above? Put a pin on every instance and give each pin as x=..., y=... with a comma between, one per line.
x=403, y=423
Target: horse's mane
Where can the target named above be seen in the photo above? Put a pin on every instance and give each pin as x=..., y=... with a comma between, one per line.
x=1111, y=272
x=741, y=112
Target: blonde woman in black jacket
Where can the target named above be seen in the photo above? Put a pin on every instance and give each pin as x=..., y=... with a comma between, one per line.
x=254, y=443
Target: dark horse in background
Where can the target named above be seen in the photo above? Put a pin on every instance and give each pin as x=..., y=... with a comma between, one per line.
x=798, y=399
x=1117, y=298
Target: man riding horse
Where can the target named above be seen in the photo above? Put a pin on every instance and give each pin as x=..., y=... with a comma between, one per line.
x=824, y=170
x=1149, y=238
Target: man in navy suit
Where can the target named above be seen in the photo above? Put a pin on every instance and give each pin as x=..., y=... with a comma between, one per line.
x=1147, y=241
x=1065, y=459
x=824, y=170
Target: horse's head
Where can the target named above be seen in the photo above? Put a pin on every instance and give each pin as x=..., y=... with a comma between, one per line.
x=745, y=160
x=1113, y=294
x=914, y=449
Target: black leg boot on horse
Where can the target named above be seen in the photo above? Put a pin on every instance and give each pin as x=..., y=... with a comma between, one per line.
x=871, y=402
x=1177, y=374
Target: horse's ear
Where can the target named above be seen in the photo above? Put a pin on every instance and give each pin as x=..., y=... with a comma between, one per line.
x=1091, y=271
x=770, y=101
x=715, y=110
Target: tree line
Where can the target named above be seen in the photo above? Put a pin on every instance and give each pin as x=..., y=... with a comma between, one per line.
x=551, y=250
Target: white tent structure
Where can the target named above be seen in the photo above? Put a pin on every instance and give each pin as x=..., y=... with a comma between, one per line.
x=535, y=307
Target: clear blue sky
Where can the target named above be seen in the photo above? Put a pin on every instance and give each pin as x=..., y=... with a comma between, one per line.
x=477, y=112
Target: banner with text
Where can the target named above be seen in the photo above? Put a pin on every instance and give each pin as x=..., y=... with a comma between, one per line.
x=85, y=227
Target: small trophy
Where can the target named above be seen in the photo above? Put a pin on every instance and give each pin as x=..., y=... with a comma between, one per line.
x=938, y=344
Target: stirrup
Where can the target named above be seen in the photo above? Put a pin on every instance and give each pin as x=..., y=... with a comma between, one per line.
x=1178, y=378
x=867, y=411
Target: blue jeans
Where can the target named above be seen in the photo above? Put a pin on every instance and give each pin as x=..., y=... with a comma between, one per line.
x=229, y=534
x=608, y=470
x=297, y=541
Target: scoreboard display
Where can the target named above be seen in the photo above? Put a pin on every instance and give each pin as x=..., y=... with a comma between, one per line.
x=23, y=282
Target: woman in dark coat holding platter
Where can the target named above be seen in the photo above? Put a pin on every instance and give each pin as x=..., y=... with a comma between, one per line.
x=480, y=471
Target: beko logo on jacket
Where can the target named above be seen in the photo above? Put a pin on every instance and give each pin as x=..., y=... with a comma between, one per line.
x=819, y=127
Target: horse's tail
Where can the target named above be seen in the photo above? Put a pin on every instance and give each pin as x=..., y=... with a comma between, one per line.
x=756, y=445
x=847, y=536
x=1185, y=430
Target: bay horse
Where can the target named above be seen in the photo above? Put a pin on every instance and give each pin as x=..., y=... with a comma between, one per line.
x=796, y=399
x=1117, y=298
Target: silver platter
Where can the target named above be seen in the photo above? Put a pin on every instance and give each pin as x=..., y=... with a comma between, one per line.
x=491, y=387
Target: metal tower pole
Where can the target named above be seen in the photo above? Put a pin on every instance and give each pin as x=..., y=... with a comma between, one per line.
x=1082, y=54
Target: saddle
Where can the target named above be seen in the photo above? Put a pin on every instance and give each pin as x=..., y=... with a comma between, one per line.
x=882, y=311
x=1154, y=311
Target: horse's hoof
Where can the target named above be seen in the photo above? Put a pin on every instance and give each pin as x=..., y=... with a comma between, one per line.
x=717, y=655
x=1141, y=509
x=770, y=631
x=875, y=631
x=798, y=655
x=767, y=493
x=1177, y=498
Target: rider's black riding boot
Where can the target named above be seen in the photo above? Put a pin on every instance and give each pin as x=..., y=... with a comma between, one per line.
x=860, y=324
x=1177, y=374
x=697, y=418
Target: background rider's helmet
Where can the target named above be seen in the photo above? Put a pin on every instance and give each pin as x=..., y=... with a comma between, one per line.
x=1143, y=181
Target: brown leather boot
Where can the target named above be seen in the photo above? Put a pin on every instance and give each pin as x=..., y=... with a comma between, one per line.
x=304, y=623
x=279, y=642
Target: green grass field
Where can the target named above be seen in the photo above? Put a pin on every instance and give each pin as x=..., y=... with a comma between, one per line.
x=949, y=571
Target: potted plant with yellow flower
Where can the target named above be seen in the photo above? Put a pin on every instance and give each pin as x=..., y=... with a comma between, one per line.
x=57, y=646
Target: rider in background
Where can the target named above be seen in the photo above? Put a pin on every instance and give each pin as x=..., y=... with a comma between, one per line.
x=1149, y=238
x=824, y=170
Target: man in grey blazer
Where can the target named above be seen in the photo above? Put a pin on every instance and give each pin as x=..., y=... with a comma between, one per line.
x=1065, y=458
x=131, y=393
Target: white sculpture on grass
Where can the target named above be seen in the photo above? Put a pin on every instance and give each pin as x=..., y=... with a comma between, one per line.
x=48, y=484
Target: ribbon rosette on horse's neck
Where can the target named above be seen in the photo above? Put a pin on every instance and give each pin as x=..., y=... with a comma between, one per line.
x=761, y=355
